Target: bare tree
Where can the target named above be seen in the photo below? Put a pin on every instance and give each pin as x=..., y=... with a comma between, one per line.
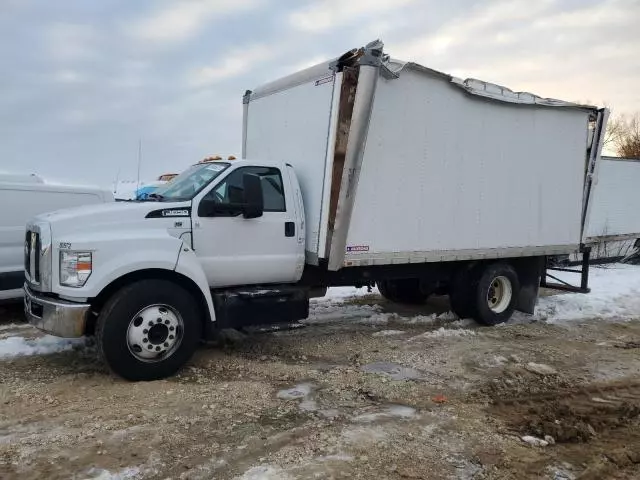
x=623, y=135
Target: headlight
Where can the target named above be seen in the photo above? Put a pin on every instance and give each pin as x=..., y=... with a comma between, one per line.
x=75, y=268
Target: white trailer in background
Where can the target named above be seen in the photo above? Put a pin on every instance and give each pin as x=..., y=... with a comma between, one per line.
x=612, y=226
x=22, y=197
x=613, y=223
x=359, y=171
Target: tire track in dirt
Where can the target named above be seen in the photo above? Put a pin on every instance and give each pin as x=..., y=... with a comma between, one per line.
x=597, y=425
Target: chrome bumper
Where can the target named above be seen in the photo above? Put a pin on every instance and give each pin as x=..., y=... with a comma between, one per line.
x=57, y=317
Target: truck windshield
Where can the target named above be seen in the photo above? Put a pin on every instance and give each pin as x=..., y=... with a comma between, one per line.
x=187, y=185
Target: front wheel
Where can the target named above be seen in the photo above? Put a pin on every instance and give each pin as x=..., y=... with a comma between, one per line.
x=148, y=330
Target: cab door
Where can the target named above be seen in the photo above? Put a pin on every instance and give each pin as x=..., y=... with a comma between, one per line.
x=235, y=250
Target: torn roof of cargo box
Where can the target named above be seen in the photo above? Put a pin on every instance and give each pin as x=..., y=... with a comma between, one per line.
x=487, y=89
x=393, y=68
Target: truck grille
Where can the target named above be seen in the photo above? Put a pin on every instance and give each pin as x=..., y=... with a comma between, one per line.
x=32, y=246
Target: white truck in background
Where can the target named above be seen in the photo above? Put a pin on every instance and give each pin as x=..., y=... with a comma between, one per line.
x=23, y=196
x=362, y=170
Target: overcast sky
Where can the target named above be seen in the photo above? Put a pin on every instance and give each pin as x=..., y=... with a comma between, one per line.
x=81, y=81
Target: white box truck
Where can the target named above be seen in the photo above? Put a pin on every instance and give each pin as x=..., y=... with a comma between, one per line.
x=23, y=196
x=359, y=171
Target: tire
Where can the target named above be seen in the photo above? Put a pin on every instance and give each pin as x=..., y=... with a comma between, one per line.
x=174, y=329
x=409, y=291
x=495, y=291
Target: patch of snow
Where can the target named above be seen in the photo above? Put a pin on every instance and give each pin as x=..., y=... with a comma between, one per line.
x=562, y=472
x=19, y=346
x=447, y=317
x=541, y=369
x=443, y=333
x=495, y=361
x=377, y=319
x=392, y=411
x=344, y=293
x=124, y=474
x=615, y=295
x=329, y=313
x=362, y=435
x=388, y=333
x=14, y=326
x=299, y=391
x=463, y=323
x=303, y=392
x=422, y=320
x=534, y=441
x=265, y=472
x=401, y=411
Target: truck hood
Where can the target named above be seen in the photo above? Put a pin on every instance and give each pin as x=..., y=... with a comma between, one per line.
x=117, y=215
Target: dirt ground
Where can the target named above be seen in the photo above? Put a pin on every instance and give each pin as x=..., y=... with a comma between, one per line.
x=354, y=394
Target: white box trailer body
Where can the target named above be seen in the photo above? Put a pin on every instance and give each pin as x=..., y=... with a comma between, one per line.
x=403, y=164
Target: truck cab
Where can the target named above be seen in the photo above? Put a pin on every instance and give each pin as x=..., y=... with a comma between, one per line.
x=150, y=271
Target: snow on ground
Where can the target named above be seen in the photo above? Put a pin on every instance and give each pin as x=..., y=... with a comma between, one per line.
x=615, y=294
x=265, y=472
x=14, y=326
x=19, y=346
x=443, y=332
x=129, y=473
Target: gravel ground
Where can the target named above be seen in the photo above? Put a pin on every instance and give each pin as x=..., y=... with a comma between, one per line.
x=364, y=390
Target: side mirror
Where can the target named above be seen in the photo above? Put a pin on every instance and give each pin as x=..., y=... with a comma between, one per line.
x=253, y=199
x=208, y=208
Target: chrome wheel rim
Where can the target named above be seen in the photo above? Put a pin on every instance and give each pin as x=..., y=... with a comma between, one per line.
x=155, y=333
x=499, y=294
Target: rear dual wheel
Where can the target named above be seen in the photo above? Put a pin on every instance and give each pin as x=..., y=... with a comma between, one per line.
x=409, y=291
x=486, y=293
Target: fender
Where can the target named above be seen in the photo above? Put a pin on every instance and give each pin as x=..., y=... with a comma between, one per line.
x=189, y=266
x=115, y=255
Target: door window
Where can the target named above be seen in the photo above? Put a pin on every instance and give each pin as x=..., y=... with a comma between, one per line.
x=231, y=190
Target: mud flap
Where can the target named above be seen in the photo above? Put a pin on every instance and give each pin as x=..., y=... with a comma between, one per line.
x=530, y=270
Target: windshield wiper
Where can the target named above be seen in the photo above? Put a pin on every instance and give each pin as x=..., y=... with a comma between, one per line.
x=156, y=196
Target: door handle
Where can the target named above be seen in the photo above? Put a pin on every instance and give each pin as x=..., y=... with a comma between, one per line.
x=289, y=229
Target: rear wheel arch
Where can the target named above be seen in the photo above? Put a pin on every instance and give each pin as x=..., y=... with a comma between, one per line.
x=185, y=282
